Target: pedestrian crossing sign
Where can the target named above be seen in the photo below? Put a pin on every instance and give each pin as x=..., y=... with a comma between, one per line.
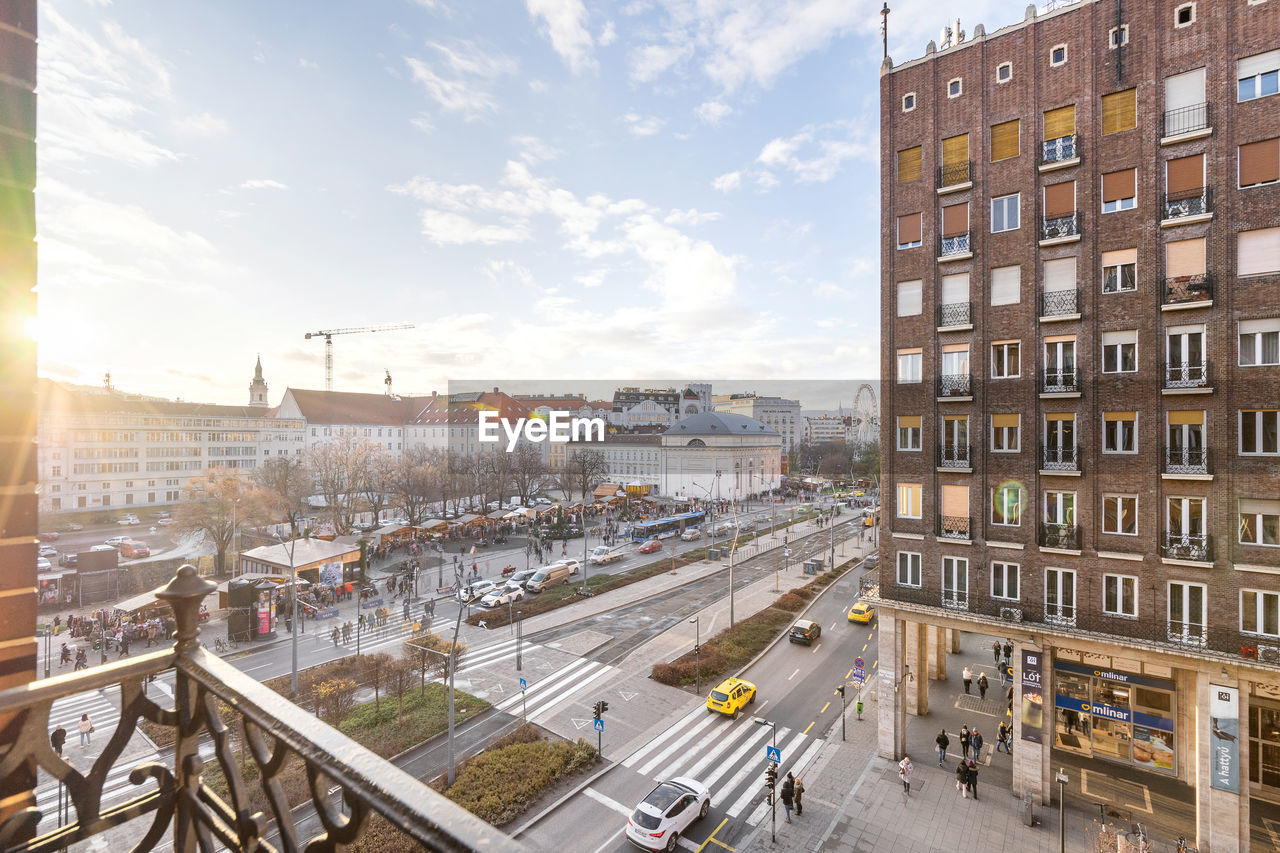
x=772, y=753
x=523, y=685
x=599, y=725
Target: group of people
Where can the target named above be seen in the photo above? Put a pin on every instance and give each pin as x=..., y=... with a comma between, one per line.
x=58, y=737
x=792, y=793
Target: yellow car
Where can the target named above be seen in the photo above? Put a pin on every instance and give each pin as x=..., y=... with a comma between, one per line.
x=861, y=612
x=731, y=696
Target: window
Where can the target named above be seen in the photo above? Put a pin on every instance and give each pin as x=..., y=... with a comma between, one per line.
x=1119, y=36
x=56, y=471
x=955, y=360
x=1259, y=522
x=1185, y=355
x=908, y=568
x=1119, y=190
x=1119, y=432
x=1184, y=15
x=955, y=437
x=955, y=223
x=955, y=160
x=1120, y=514
x=1004, y=213
x=909, y=364
x=909, y=298
x=1060, y=200
x=909, y=165
x=1060, y=359
x=1260, y=612
x=1005, y=140
x=1258, y=252
x=1060, y=594
x=1184, y=179
x=909, y=500
x=1259, y=429
x=1120, y=351
x=1006, y=505
x=1184, y=518
x=1004, y=581
x=1187, y=611
x=1260, y=342
x=909, y=432
x=1120, y=595
x=1259, y=163
x=955, y=581
x=1006, y=285
x=1060, y=122
x=1185, y=433
x=1060, y=508
x=1184, y=103
x=910, y=230
x=1120, y=271
x=1058, y=55
x=1006, y=360
x=908, y=102
x=1184, y=259
x=955, y=291
x=955, y=87
x=1005, y=433
x=1119, y=111
x=1004, y=72
x=1258, y=76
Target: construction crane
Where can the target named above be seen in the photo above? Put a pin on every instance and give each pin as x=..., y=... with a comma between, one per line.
x=328, y=344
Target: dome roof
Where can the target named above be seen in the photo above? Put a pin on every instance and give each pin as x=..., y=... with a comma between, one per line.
x=719, y=423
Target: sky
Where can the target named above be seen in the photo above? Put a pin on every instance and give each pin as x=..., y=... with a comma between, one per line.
x=544, y=188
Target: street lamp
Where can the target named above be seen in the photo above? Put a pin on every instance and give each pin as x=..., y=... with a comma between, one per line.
x=235, y=563
x=697, y=654
x=293, y=615
x=901, y=702
x=1062, y=799
x=773, y=808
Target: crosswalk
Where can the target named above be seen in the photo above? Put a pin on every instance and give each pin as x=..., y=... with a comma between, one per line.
x=544, y=696
x=726, y=755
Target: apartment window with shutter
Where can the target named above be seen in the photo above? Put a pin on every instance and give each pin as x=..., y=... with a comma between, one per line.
x=1119, y=111
x=1259, y=432
x=1005, y=433
x=1259, y=522
x=1119, y=432
x=1119, y=190
x=1259, y=163
x=1060, y=122
x=1119, y=270
x=1060, y=200
x=909, y=427
x=909, y=165
x=1006, y=359
x=909, y=500
x=909, y=298
x=909, y=365
x=910, y=228
x=1184, y=258
x=955, y=289
x=1006, y=139
x=955, y=160
x=955, y=220
x=1006, y=285
x=1258, y=252
x=1120, y=351
x=1005, y=213
x=1258, y=76
x=1060, y=274
x=1184, y=177
x=1184, y=103
x=1260, y=342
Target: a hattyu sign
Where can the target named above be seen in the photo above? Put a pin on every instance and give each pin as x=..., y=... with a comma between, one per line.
x=1224, y=738
x=557, y=428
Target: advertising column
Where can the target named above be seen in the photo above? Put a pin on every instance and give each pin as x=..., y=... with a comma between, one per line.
x=1032, y=707
x=1224, y=729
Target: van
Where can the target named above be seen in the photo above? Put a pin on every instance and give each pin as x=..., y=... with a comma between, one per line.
x=549, y=575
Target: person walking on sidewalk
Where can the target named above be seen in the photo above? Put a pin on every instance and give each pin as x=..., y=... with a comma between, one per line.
x=788, y=795
x=1008, y=650
x=967, y=676
x=86, y=730
x=58, y=738
x=983, y=684
x=333, y=635
x=1002, y=738
x=799, y=797
x=943, y=742
x=904, y=773
x=965, y=740
x=973, y=779
x=995, y=651
x=962, y=778
x=975, y=743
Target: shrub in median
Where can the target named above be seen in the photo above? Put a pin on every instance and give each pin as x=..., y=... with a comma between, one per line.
x=726, y=652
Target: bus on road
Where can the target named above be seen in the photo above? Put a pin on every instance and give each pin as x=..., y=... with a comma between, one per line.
x=663, y=527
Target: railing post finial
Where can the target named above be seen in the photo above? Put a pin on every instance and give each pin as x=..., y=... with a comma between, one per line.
x=184, y=593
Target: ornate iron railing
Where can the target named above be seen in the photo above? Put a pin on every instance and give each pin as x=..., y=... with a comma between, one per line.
x=184, y=808
x=1186, y=119
x=955, y=314
x=955, y=599
x=1189, y=634
x=1186, y=460
x=1060, y=614
x=1060, y=226
x=956, y=245
x=956, y=173
x=954, y=455
x=1056, y=303
x=1189, y=547
x=1057, y=150
x=1188, y=203
x=1187, y=375
x=959, y=385
x=1188, y=288
x=954, y=527
x=1058, y=380
x=1060, y=458
x=1057, y=535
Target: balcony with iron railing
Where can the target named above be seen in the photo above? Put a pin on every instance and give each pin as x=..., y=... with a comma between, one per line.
x=1195, y=547
x=1055, y=458
x=1186, y=461
x=1058, y=150
x=1058, y=535
x=954, y=526
x=954, y=456
x=955, y=314
x=1060, y=227
x=1187, y=203
x=1186, y=376
x=1060, y=380
x=955, y=599
x=958, y=385
x=1188, y=289
x=955, y=245
x=955, y=175
x=1060, y=303
x=172, y=787
x=1186, y=120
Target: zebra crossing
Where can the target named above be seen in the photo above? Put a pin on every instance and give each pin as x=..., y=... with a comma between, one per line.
x=726, y=755
x=544, y=696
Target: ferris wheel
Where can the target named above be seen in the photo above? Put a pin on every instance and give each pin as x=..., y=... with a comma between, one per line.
x=866, y=415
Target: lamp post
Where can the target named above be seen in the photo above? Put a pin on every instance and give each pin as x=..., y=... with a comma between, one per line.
x=901, y=701
x=293, y=616
x=235, y=563
x=773, y=808
x=697, y=654
x=1062, y=800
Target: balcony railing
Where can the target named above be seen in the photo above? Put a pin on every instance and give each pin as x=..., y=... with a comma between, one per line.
x=1187, y=633
x=1189, y=547
x=173, y=788
x=954, y=455
x=953, y=527
x=957, y=245
x=1188, y=203
x=1057, y=303
x=1056, y=535
x=1060, y=226
x=959, y=385
x=955, y=599
x=1060, y=458
x=1186, y=375
x=1060, y=614
x=1186, y=460
x=1057, y=150
x=955, y=314
x=1186, y=119
x=1188, y=288
x=1057, y=380
x=955, y=174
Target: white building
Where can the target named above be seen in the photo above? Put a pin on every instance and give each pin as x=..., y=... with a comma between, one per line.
x=720, y=455
x=777, y=412
x=649, y=406
x=452, y=422
x=379, y=418
x=824, y=429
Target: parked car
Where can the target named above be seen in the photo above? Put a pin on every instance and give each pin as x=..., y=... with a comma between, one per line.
x=129, y=519
x=68, y=561
x=666, y=812
x=550, y=575
x=165, y=522
x=103, y=548
x=48, y=536
x=72, y=527
x=805, y=632
x=543, y=501
x=475, y=591
x=116, y=541
x=649, y=546
x=48, y=551
x=134, y=549
x=43, y=564
x=731, y=696
x=503, y=595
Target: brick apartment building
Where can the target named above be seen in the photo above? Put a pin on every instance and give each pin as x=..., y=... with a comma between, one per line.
x=1080, y=316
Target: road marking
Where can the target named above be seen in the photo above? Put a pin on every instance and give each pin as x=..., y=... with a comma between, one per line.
x=610, y=843
x=875, y=663
x=753, y=741
x=653, y=762
x=729, y=739
x=752, y=792
x=849, y=674
x=608, y=802
x=806, y=728
x=864, y=645
x=712, y=837
x=653, y=744
x=559, y=697
x=814, y=650
x=824, y=708
x=794, y=674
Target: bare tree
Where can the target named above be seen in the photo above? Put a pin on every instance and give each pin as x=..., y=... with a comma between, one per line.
x=527, y=471
x=416, y=481
x=377, y=478
x=339, y=468
x=285, y=483
x=213, y=504
x=585, y=470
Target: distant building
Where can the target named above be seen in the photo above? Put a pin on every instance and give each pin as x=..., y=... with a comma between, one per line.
x=329, y=415
x=721, y=455
x=452, y=421
x=781, y=414
x=637, y=406
x=824, y=429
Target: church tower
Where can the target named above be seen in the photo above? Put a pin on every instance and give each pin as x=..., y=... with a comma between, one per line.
x=258, y=387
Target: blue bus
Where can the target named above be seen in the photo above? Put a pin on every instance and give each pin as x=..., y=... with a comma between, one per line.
x=665, y=527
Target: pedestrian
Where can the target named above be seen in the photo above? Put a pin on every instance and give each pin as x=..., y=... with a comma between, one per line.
x=967, y=676
x=124, y=646
x=995, y=651
x=943, y=742
x=1008, y=649
x=966, y=740
x=1004, y=674
x=904, y=773
x=1002, y=737
x=973, y=779
x=86, y=730
x=58, y=738
x=82, y=660
x=787, y=795
x=982, y=685
x=1008, y=695
x=799, y=796
x=333, y=635
x=975, y=743
x=962, y=778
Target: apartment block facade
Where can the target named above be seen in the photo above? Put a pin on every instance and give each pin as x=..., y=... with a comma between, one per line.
x=1081, y=375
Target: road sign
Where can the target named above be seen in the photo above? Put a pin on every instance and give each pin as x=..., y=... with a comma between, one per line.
x=599, y=725
x=859, y=676
x=858, y=663
x=523, y=685
x=772, y=753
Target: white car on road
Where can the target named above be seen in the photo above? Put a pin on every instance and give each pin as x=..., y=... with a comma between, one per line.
x=117, y=541
x=468, y=593
x=504, y=595
x=668, y=811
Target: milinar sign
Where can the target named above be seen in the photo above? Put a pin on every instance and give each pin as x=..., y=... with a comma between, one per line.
x=558, y=428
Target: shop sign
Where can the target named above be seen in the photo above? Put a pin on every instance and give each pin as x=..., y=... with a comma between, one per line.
x=1113, y=675
x=1032, y=697
x=1111, y=712
x=1224, y=736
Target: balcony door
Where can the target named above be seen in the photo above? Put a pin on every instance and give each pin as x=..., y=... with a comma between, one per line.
x=955, y=433
x=1185, y=355
x=1060, y=356
x=1060, y=508
x=1186, y=435
x=955, y=582
x=1185, y=519
x=1187, y=613
x=1060, y=435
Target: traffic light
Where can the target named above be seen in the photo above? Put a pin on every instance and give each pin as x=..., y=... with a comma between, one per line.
x=771, y=776
x=604, y=706
x=841, y=689
x=595, y=709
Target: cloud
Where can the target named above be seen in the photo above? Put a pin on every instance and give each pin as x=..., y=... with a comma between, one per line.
x=564, y=23
x=830, y=290
x=437, y=6
x=534, y=150
x=461, y=78
x=537, y=87
x=499, y=271
x=452, y=229
x=263, y=184
x=814, y=154
x=690, y=217
x=638, y=125
x=204, y=124
x=595, y=278
x=712, y=112
x=308, y=64
x=728, y=182
x=608, y=35
x=652, y=61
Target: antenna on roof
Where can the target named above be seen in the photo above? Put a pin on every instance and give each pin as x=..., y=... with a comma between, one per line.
x=106, y=381
x=387, y=382
x=884, y=28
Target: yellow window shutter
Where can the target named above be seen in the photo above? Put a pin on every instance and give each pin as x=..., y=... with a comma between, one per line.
x=1120, y=111
x=909, y=165
x=955, y=150
x=1060, y=122
x=1004, y=140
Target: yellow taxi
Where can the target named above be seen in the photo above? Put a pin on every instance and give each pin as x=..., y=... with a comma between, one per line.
x=731, y=696
x=862, y=612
